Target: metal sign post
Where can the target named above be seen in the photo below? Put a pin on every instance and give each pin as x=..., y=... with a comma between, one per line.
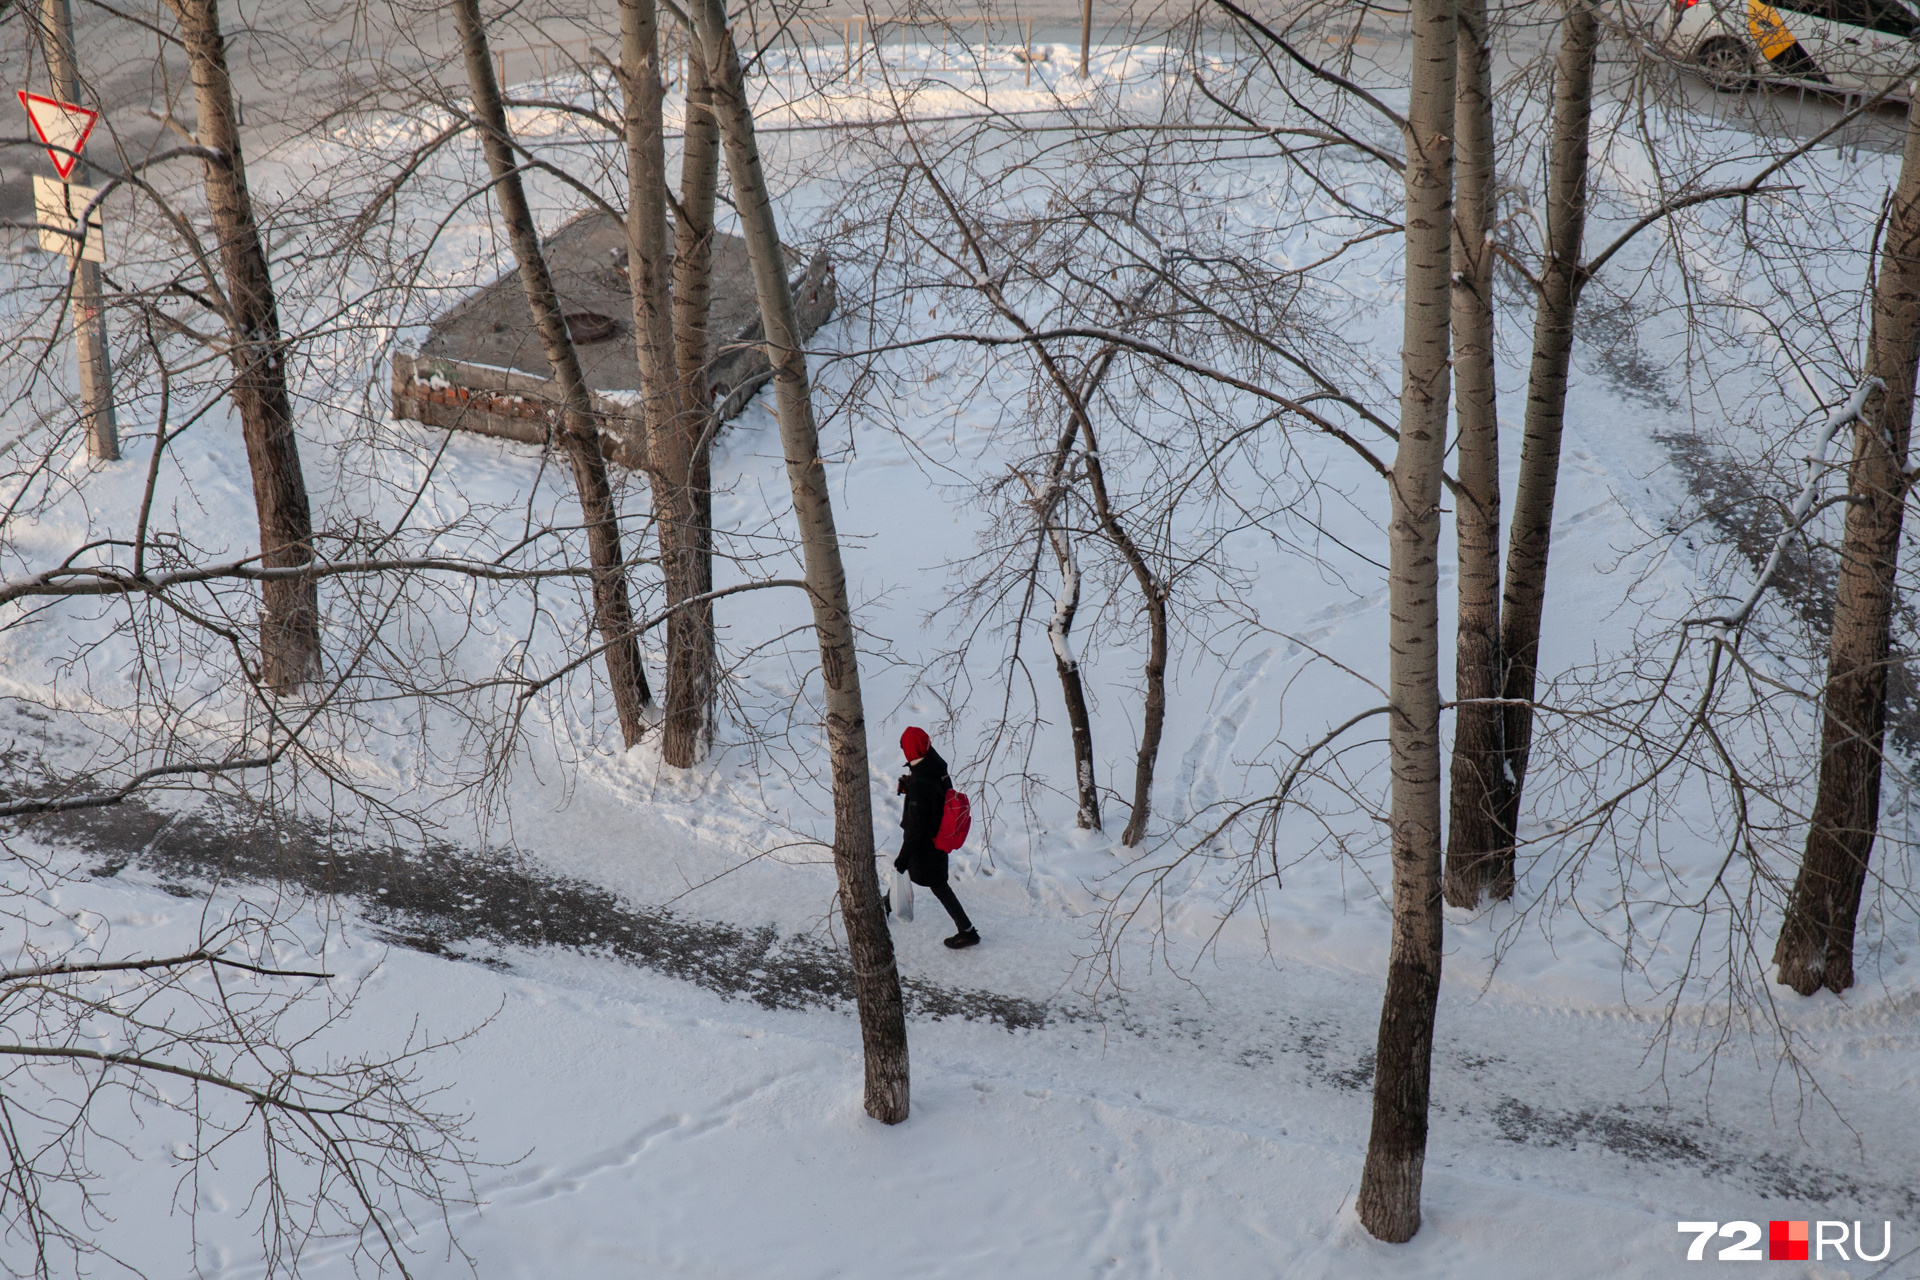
x=89, y=320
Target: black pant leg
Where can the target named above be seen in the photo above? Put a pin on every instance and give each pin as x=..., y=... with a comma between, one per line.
x=944, y=891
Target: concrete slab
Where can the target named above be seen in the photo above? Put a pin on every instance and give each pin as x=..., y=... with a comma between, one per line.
x=483, y=367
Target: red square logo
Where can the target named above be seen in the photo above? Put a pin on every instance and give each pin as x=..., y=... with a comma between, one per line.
x=1787, y=1241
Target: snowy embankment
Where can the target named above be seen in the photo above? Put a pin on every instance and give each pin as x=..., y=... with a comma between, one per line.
x=1201, y=1113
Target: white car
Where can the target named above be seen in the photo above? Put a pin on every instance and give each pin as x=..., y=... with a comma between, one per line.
x=1855, y=46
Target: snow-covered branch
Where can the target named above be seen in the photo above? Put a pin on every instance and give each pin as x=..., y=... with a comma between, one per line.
x=104, y=799
x=106, y=580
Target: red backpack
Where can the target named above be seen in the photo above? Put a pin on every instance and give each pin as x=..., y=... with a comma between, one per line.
x=956, y=819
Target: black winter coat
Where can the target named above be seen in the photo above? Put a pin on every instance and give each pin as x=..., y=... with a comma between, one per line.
x=925, y=787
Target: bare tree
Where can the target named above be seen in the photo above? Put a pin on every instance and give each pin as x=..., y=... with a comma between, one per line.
x=1478, y=790
x=1531, y=536
x=1815, y=948
x=1486, y=795
x=674, y=408
x=697, y=672
x=1047, y=502
x=1389, y=1198
x=290, y=613
x=1072, y=689
x=1153, y=585
x=1153, y=599
x=579, y=427
x=218, y=1037
x=1066, y=604
x=883, y=1025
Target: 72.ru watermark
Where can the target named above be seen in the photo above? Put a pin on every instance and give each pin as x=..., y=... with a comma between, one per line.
x=1786, y=1241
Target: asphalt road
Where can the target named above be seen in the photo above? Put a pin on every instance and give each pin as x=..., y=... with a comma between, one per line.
x=293, y=61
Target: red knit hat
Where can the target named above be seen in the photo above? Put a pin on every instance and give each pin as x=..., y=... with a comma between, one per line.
x=915, y=743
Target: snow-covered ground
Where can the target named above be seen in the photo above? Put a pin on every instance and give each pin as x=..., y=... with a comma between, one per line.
x=1197, y=1101
x=650, y=1128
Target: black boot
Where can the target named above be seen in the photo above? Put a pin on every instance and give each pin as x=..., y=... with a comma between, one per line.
x=964, y=938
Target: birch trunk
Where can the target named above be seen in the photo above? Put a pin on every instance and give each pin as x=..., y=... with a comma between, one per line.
x=1478, y=795
x=1060, y=632
x=290, y=607
x=1153, y=598
x=1531, y=536
x=579, y=429
x=692, y=305
x=1067, y=666
x=1067, y=604
x=883, y=1027
x=673, y=427
x=1815, y=948
x=1389, y=1199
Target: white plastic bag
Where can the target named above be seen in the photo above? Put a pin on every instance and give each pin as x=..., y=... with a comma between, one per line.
x=903, y=896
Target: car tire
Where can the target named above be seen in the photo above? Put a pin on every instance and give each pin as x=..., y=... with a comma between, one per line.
x=1726, y=64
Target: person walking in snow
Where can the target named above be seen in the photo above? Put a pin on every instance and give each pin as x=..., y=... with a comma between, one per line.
x=925, y=787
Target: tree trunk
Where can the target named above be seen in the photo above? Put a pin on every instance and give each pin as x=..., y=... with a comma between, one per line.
x=1067, y=604
x=290, y=607
x=1060, y=632
x=673, y=428
x=692, y=302
x=1816, y=939
x=1153, y=597
x=876, y=980
x=1478, y=785
x=1531, y=536
x=1060, y=635
x=579, y=429
x=1389, y=1199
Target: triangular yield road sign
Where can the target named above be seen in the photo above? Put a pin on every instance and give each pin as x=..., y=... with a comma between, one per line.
x=60, y=124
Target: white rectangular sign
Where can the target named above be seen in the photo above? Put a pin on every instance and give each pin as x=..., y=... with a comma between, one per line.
x=56, y=207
